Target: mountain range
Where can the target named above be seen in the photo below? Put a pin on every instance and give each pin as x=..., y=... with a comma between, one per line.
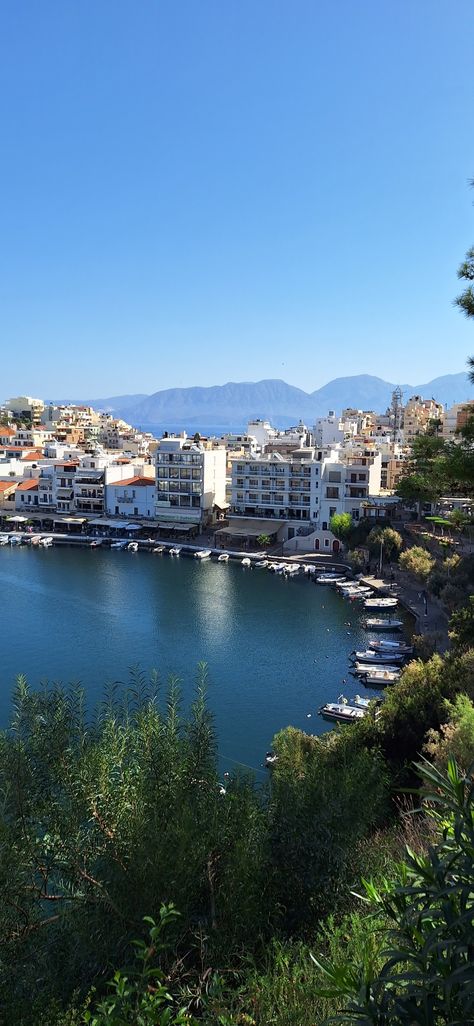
x=220, y=408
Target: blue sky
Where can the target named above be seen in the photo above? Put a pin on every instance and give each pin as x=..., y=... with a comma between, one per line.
x=205, y=191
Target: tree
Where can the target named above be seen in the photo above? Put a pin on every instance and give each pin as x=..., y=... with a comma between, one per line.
x=461, y=627
x=417, y=561
x=466, y=300
x=455, y=738
x=341, y=525
x=264, y=541
x=387, y=539
x=427, y=976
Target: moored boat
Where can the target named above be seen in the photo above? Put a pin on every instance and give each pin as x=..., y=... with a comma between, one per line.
x=330, y=578
x=132, y=546
x=223, y=558
x=380, y=603
x=158, y=549
x=369, y=656
x=175, y=551
x=380, y=623
x=246, y=561
x=202, y=554
x=262, y=564
x=341, y=712
x=391, y=646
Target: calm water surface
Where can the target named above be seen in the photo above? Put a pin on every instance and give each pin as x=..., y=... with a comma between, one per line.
x=276, y=649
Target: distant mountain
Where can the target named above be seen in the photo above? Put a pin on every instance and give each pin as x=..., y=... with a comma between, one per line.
x=220, y=408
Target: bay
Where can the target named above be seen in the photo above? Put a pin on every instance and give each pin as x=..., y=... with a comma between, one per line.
x=276, y=648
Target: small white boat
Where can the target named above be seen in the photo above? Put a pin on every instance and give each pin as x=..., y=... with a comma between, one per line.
x=374, y=679
x=369, y=656
x=391, y=646
x=341, y=712
x=223, y=558
x=308, y=568
x=158, y=549
x=246, y=561
x=132, y=546
x=380, y=603
x=3, y=539
x=46, y=543
x=15, y=539
x=119, y=544
x=292, y=568
x=262, y=564
x=96, y=543
x=383, y=671
x=203, y=554
x=270, y=759
x=360, y=703
x=330, y=579
x=378, y=623
x=176, y=550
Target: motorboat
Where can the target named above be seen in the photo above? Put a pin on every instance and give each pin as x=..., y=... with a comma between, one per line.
x=380, y=679
x=292, y=568
x=223, y=558
x=308, y=568
x=342, y=712
x=3, y=539
x=391, y=646
x=270, y=759
x=46, y=542
x=176, y=550
x=360, y=703
x=378, y=623
x=330, y=579
x=158, y=549
x=262, y=564
x=380, y=603
x=383, y=671
x=246, y=561
x=369, y=656
x=132, y=546
x=203, y=554
x=119, y=544
x=15, y=539
x=96, y=543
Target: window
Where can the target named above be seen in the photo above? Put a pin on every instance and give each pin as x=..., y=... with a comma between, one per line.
x=135, y=511
x=332, y=511
x=334, y=475
x=362, y=477
x=332, y=493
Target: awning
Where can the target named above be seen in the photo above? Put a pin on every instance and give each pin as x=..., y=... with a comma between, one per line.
x=69, y=520
x=17, y=520
x=248, y=527
x=130, y=527
x=174, y=525
x=106, y=523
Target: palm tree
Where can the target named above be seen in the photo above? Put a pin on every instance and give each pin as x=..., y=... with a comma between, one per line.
x=470, y=364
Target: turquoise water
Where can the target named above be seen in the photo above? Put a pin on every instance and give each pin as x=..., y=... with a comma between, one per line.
x=276, y=649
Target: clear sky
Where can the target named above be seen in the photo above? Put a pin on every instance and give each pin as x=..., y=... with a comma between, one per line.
x=209, y=190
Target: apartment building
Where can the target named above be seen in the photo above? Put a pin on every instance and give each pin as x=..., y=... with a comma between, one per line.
x=133, y=497
x=418, y=416
x=276, y=486
x=190, y=481
x=24, y=407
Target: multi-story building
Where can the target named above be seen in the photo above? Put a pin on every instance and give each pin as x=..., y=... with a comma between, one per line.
x=133, y=497
x=419, y=415
x=190, y=481
x=456, y=418
x=328, y=430
x=273, y=486
x=24, y=407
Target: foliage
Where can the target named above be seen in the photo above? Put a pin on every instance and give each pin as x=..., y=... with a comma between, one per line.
x=317, y=816
x=263, y=540
x=357, y=559
x=461, y=627
x=140, y=996
x=417, y=561
x=103, y=823
x=390, y=540
x=427, y=975
x=455, y=738
x=466, y=300
x=341, y=525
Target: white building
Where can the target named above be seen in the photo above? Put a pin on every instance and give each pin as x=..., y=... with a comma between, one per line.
x=24, y=407
x=262, y=431
x=190, y=481
x=133, y=497
x=328, y=430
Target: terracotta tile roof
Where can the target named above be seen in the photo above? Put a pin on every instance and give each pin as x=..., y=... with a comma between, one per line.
x=140, y=481
x=31, y=454
x=7, y=432
x=28, y=486
x=4, y=485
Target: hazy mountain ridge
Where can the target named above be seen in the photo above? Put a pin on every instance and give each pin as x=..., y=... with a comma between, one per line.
x=230, y=406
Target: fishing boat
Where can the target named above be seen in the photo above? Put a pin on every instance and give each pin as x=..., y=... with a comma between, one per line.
x=132, y=546
x=385, y=671
x=46, y=542
x=3, y=539
x=246, y=561
x=175, y=551
x=270, y=759
x=380, y=603
x=360, y=703
x=378, y=623
x=203, y=554
x=391, y=646
x=369, y=656
x=262, y=564
x=308, y=568
x=96, y=543
x=158, y=549
x=330, y=579
x=341, y=712
x=292, y=568
x=119, y=544
x=223, y=558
